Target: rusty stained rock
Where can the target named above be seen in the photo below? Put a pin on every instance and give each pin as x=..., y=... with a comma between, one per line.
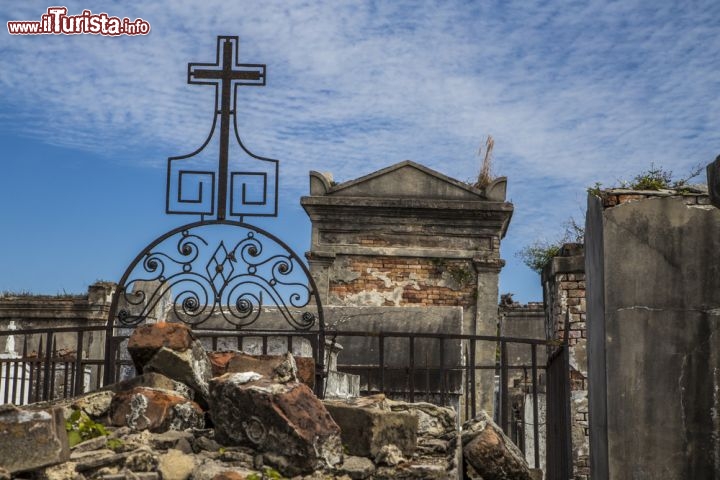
x=146, y=340
x=171, y=349
x=490, y=453
x=156, y=410
x=286, y=422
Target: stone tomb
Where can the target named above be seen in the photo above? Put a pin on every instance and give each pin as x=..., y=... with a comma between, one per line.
x=653, y=296
x=407, y=235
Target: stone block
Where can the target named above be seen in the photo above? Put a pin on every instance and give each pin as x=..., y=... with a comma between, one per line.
x=31, y=439
x=286, y=422
x=267, y=365
x=365, y=430
x=173, y=440
x=146, y=340
x=490, y=453
x=171, y=349
x=357, y=468
x=152, y=380
x=155, y=410
x=176, y=465
x=433, y=421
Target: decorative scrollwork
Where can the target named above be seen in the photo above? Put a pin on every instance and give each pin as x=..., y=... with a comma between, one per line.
x=255, y=430
x=215, y=270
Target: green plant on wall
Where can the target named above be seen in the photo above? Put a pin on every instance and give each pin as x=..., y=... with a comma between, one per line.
x=81, y=427
x=654, y=178
x=541, y=252
x=268, y=473
x=461, y=275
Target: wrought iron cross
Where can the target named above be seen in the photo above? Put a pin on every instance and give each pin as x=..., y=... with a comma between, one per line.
x=226, y=72
x=246, y=184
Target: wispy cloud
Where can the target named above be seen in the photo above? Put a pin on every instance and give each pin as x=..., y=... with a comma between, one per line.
x=572, y=92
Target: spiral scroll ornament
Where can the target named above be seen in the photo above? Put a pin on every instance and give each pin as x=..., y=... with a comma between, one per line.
x=209, y=270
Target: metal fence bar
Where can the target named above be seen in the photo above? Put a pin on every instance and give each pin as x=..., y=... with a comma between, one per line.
x=15, y=380
x=411, y=354
x=504, y=394
x=536, y=417
x=38, y=376
x=66, y=376
x=50, y=394
x=468, y=376
x=79, y=374
x=381, y=354
x=48, y=366
x=443, y=372
x=471, y=367
x=427, y=377
x=6, y=394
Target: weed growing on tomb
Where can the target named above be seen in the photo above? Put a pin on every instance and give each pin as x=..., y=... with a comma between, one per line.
x=81, y=427
x=654, y=178
x=461, y=275
x=541, y=252
x=115, y=444
x=485, y=175
x=268, y=473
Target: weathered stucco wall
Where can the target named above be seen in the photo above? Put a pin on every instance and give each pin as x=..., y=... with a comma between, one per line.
x=653, y=266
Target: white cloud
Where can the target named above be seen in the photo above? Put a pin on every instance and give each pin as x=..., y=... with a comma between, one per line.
x=573, y=94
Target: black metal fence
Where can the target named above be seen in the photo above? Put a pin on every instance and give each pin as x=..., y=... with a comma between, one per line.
x=50, y=363
x=559, y=444
x=434, y=367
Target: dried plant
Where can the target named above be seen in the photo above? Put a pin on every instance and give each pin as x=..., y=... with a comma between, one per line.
x=485, y=176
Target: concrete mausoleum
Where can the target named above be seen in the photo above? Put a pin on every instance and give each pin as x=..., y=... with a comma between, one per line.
x=407, y=235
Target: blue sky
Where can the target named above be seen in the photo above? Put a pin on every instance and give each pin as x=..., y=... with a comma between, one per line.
x=573, y=93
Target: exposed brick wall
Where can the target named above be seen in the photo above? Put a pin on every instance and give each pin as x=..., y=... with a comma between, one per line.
x=564, y=292
x=398, y=281
x=568, y=303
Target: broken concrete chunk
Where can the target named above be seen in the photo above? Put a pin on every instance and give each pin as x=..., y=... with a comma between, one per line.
x=175, y=465
x=152, y=380
x=281, y=368
x=284, y=421
x=95, y=404
x=389, y=455
x=155, y=410
x=490, y=453
x=146, y=340
x=365, y=430
x=171, y=349
x=61, y=471
x=214, y=470
x=31, y=439
x=357, y=468
x=433, y=421
x=278, y=368
x=173, y=440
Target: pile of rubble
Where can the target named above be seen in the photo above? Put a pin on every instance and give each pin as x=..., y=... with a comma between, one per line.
x=200, y=415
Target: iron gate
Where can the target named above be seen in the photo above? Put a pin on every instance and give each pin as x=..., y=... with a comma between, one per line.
x=219, y=273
